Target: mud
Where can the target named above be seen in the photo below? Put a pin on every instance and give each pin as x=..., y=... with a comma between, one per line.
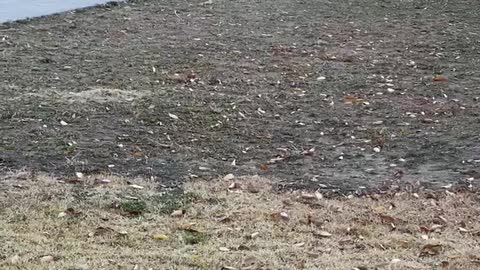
x=330, y=94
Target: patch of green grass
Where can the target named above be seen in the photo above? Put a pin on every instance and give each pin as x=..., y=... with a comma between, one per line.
x=194, y=238
x=175, y=200
x=69, y=149
x=134, y=207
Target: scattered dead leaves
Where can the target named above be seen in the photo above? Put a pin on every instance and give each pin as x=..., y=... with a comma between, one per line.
x=431, y=250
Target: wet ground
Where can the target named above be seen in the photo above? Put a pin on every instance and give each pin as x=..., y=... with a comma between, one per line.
x=330, y=94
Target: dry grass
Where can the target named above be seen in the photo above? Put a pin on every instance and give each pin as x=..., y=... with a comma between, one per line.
x=93, y=225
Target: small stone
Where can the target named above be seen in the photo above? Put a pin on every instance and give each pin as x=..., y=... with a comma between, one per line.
x=63, y=123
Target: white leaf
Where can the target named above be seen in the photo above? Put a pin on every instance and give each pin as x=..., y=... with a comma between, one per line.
x=173, y=116
x=136, y=186
x=229, y=177
x=177, y=213
x=323, y=234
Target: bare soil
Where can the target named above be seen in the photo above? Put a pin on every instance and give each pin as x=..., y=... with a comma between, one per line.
x=338, y=95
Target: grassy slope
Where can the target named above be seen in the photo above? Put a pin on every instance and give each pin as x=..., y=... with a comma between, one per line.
x=93, y=225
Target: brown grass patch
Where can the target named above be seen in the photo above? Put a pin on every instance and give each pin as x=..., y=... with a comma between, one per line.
x=46, y=223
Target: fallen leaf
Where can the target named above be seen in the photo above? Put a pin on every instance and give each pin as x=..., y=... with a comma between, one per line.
x=190, y=227
x=229, y=177
x=252, y=188
x=349, y=99
x=393, y=261
x=440, y=78
x=177, y=213
x=102, y=230
x=431, y=250
x=275, y=160
x=308, y=196
x=136, y=187
x=160, y=237
x=234, y=185
x=48, y=258
x=14, y=259
x=173, y=116
x=280, y=216
x=284, y=215
x=387, y=219
x=287, y=202
x=264, y=167
x=322, y=234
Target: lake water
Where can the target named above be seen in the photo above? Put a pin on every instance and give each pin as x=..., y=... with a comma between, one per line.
x=11, y=10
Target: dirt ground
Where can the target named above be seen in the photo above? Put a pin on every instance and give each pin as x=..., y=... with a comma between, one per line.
x=108, y=222
x=337, y=95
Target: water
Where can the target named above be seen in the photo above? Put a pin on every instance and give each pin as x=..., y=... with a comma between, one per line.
x=11, y=10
